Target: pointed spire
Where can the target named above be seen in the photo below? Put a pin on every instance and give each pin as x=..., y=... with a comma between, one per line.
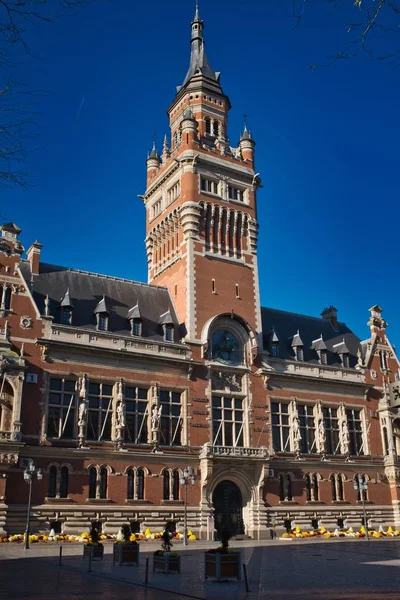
x=246, y=134
x=165, y=144
x=153, y=153
x=199, y=64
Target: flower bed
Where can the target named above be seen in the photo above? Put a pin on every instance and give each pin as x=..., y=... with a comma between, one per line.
x=322, y=532
x=84, y=537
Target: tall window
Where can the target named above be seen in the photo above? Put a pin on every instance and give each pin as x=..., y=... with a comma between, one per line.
x=135, y=489
x=92, y=482
x=216, y=128
x=131, y=483
x=62, y=408
x=140, y=484
x=169, y=332
x=136, y=415
x=208, y=125
x=355, y=431
x=175, y=485
x=333, y=487
x=280, y=426
x=299, y=353
x=337, y=487
x=275, y=349
x=103, y=482
x=171, y=418
x=340, y=495
x=227, y=421
x=64, y=482
x=100, y=411
x=331, y=424
x=308, y=488
x=5, y=296
x=285, y=487
x=102, y=321
x=137, y=327
x=307, y=428
x=166, y=485
x=360, y=479
x=51, y=493
x=315, y=487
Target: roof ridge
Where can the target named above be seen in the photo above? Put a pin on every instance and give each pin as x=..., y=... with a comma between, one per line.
x=288, y=312
x=112, y=277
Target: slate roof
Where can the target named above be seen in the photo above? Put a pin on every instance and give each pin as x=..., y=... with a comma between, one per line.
x=289, y=326
x=87, y=290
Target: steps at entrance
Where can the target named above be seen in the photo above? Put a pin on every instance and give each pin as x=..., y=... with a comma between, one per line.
x=241, y=536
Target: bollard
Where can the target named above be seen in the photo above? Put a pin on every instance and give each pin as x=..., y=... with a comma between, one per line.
x=146, y=579
x=90, y=560
x=60, y=557
x=245, y=578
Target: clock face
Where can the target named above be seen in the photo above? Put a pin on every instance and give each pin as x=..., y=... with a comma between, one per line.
x=225, y=347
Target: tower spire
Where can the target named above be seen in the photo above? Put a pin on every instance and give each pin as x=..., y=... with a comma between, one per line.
x=199, y=64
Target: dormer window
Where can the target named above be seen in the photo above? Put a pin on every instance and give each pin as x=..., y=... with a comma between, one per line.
x=102, y=321
x=299, y=353
x=137, y=327
x=66, y=308
x=66, y=316
x=297, y=345
x=135, y=320
x=167, y=324
x=169, y=333
x=346, y=361
x=102, y=315
x=275, y=349
x=323, y=357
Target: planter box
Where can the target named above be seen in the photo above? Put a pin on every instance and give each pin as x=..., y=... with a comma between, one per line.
x=126, y=554
x=95, y=551
x=167, y=563
x=222, y=566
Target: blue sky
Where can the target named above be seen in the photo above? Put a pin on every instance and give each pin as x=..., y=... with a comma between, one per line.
x=327, y=145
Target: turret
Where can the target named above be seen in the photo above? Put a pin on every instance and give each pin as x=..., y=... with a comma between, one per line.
x=246, y=145
x=153, y=163
x=189, y=127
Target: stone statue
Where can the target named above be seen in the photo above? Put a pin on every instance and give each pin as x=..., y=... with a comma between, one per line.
x=82, y=389
x=121, y=414
x=296, y=429
x=156, y=417
x=120, y=391
x=82, y=414
x=345, y=437
x=321, y=432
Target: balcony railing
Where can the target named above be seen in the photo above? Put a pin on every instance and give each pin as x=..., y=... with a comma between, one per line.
x=233, y=452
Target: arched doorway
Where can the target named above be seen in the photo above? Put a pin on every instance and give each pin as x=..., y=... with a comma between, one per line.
x=228, y=508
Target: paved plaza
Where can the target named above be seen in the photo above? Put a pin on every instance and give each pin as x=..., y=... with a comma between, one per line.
x=301, y=570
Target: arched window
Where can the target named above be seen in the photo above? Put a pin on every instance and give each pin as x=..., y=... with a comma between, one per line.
x=140, y=484
x=340, y=487
x=7, y=297
x=333, y=487
x=175, y=485
x=207, y=121
x=315, y=488
x=281, y=488
x=308, y=488
x=103, y=482
x=92, y=482
x=289, y=488
x=52, y=482
x=216, y=128
x=225, y=347
x=64, y=482
x=129, y=493
x=166, y=485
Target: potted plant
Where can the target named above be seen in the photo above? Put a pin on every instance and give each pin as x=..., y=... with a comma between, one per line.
x=94, y=547
x=126, y=549
x=165, y=560
x=223, y=562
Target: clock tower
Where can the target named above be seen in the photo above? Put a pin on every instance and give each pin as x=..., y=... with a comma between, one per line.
x=201, y=207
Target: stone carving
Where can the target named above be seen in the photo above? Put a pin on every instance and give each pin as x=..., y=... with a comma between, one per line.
x=10, y=459
x=121, y=415
x=321, y=433
x=226, y=381
x=26, y=322
x=156, y=417
x=82, y=414
x=345, y=437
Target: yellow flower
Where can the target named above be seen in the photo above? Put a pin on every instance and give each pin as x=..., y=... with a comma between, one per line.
x=192, y=537
x=132, y=537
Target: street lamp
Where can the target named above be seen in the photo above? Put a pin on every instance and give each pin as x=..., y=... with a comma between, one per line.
x=29, y=472
x=187, y=477
x=361, y=486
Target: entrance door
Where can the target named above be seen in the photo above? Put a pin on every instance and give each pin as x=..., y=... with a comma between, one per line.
x=228, y=505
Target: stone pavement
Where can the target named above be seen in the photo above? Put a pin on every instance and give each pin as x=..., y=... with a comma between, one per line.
x=298, y=570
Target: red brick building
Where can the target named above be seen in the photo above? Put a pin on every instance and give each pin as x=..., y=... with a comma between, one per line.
x=113, y=387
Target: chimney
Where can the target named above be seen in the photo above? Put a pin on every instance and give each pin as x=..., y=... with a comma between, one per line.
x=330, y=314
x=34, y=257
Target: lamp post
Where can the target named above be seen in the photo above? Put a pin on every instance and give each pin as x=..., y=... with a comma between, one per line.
x=187, y=477
x=29, y=472
x=361, y=485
